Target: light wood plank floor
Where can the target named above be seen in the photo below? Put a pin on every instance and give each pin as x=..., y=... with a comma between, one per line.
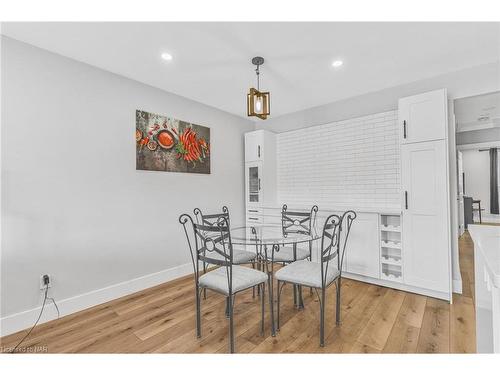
x=374, y=320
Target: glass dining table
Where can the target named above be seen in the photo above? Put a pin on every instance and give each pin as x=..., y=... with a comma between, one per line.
x=267, y=240
x=272, y=235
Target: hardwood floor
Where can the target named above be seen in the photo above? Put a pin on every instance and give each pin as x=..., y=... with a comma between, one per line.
x=162, y=320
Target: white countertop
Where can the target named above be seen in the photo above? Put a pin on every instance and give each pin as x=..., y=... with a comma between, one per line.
x=487, y=240
x=377, y=210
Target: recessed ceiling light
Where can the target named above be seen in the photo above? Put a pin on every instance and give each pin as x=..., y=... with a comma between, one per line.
x=166, y=56
x=337, y=63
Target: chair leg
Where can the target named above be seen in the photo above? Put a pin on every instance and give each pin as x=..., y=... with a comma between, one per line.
x=337, y=307
x=322, y=319
x=231, y=326
x=260, y=267
x=310, y=259
x=278, y=307
x=262, y=301
x=295, y=303
x=228, y=302
x=271, y=303
x=198, y=313
x=204, y=272
x=253, y=288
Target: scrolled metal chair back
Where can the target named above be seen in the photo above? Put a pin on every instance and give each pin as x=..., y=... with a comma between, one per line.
x=207, y=240
x=210, y=219
x=296, y=221
x=345, y=227
x=330, y=240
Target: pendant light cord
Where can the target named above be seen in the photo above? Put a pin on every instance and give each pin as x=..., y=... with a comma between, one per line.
x=258, y=77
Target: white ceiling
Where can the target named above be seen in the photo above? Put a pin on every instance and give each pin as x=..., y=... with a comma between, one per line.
x=478, y=112
x=211, y=61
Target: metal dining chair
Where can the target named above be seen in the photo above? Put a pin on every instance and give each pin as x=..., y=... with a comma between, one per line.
x=296, y=222
x=320, y=275
x=240, y=257
x=212, y=244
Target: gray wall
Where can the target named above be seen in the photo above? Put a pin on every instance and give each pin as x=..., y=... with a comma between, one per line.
x=478, y=136
x=73, y=204
x=473, y=81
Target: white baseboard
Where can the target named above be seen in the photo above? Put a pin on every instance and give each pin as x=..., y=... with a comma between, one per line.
x=25, y=319
x=397, y=285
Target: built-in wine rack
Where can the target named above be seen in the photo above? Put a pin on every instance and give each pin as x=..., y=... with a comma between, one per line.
x=391, y=252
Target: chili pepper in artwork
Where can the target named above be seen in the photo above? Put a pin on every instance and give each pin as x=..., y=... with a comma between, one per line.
x=190, y=148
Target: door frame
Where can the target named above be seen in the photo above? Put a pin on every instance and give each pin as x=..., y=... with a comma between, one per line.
x=453, y=186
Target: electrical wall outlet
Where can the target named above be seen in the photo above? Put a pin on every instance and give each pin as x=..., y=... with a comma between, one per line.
x=45, y=280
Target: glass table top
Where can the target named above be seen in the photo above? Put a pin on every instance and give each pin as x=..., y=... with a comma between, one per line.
x=269, y=235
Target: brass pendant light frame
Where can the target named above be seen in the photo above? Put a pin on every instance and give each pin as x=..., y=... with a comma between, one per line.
x=256, y=94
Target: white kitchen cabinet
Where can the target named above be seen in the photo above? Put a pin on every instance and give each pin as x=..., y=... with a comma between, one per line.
x=253, y=185
x=254, y=146
x=484, y=305
x=254, y=215
x=426, y=238
x=260, y=173
x=423, y=117
x=362, y=250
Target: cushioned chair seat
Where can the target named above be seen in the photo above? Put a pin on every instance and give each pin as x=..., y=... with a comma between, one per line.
x=286, y=254
x=306, y=273
x=239, y=256
x=243, y=278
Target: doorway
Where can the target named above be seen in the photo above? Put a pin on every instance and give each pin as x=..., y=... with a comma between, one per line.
x=477, y=122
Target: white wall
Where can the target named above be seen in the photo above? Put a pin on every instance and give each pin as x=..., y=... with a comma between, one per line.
x=353, y=163
x=476, y=167
x=73, y=204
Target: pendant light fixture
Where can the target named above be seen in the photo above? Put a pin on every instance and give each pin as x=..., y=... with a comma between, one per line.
x=258, y=103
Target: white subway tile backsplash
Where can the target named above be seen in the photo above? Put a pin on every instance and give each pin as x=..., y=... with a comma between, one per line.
x=354, y=161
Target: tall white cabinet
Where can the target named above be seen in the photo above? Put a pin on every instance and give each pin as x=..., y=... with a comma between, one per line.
x=260, y=173
x=425, y=196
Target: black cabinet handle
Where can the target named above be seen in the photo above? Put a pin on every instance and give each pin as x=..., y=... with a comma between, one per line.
x=406, y=199
x=259, y=183
x=258, y=150
x=404, y=129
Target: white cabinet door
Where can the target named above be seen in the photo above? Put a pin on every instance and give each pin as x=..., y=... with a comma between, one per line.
x=426, y=244
x=423, y=117
x=362, y=254
x=254, y=146
x=495, y=301
x=484, y=306
x=253, y=183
